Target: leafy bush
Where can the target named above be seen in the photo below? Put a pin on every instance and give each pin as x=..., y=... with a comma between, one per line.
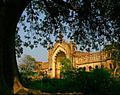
x=96, y=82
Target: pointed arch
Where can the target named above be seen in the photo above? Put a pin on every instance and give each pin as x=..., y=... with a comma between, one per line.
x=55, y=63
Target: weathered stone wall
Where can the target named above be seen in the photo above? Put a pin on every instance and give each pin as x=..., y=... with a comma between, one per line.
x=86, y=60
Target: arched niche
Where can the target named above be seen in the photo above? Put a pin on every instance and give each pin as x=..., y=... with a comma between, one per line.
x=58, y=55
x=58, y=58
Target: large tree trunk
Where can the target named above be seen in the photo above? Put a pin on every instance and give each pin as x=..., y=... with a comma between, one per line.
x=3, y=86
x=10, y=11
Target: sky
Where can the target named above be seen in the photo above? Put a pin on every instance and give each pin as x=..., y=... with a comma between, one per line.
x=39, y=53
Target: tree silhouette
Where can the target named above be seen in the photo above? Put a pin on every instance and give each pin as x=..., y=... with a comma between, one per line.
x=89, y=21
x=114, y=52
x=27, y=62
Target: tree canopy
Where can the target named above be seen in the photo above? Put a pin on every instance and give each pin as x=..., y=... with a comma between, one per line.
x=86, y=21
x=91, y=23
x=114, y=52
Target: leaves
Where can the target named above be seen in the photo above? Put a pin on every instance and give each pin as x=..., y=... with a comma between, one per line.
x=65, y=67
x=114, y=53
x=86, y=21
x=27, y=64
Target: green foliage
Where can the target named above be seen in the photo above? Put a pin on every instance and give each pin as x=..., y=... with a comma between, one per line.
x=65, y=67
x=114, y=52
x=89, y=22
x=52, y=85
x=88, y=82
x=96, y=82
x=18, y=43
x=26, y=64
x=26, y=68
x=114, y=88
x=99, y=81
x=28, y=59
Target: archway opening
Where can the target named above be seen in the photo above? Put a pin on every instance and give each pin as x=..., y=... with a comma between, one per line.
x=59, y=57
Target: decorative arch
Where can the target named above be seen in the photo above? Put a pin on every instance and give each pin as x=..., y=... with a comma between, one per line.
x=58, y=55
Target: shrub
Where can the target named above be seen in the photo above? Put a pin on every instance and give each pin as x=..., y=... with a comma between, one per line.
x=96, y=82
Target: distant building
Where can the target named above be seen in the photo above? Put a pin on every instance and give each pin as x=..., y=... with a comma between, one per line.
x=62, y=49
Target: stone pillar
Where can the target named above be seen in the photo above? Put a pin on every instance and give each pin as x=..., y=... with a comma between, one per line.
x=57, y=70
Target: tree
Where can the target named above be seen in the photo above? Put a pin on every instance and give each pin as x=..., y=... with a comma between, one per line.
x=10, y=11
x=26, y=68
x=96, y=17
x=27, y=64
x=114, y=52
x=88, y=22
x=65, y=67
x=90, y=81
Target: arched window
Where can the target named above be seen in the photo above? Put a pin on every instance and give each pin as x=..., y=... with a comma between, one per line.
x=39, y=65
x=102, y=66
x=96, y=66
x=46, y=72
x=110, y=66
x=80, y=68
x=50, y=69
x=90, y=68
x=84, y=68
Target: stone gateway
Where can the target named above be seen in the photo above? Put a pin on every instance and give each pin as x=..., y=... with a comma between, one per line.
x=62, y=49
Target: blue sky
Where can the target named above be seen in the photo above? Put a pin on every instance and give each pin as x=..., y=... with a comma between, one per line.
x=39, y=53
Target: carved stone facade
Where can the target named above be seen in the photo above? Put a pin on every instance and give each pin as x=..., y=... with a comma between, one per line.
x=86, y=60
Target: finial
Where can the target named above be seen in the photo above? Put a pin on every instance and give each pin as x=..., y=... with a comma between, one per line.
x=60, y=37
x=74, y=44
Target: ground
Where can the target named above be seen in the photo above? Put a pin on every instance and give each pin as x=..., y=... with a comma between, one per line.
x=38, y=92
